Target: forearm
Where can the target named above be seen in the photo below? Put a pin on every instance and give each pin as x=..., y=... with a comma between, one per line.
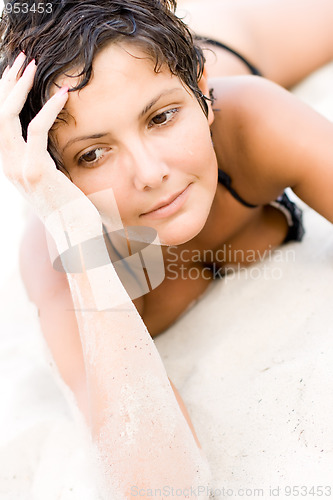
x=141, y=433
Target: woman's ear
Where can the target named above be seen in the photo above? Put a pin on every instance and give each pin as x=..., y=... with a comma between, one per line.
x=203, y=86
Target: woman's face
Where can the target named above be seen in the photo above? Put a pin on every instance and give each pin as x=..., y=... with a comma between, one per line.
x=144, y=135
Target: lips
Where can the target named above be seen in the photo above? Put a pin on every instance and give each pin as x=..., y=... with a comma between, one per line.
x=165, y=202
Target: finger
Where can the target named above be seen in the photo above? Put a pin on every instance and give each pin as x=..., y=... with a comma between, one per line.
x=5, y=71
x=11, y=139
x=18, y=61
x=17, y=94
x=43, y=121
x=9, y=79
x=37, y=137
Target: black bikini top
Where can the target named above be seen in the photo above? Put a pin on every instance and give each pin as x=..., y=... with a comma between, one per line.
x=225, y=179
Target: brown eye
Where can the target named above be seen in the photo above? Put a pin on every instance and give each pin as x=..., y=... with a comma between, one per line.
x=159, y=119
x=92, y=157
x=163, y=118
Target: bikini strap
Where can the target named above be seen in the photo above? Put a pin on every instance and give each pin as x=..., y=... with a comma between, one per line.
x=225, y=179
x=215, y=43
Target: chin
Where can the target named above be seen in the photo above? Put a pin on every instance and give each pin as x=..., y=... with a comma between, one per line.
x=182, y=231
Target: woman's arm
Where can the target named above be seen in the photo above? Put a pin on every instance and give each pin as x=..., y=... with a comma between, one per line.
x=141, y=434
x=49, y=290
x=142, y=437
x=277, y=141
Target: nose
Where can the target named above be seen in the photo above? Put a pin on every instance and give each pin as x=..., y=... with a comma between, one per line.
x=149, y=169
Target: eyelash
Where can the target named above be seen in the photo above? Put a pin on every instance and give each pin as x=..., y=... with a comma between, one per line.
x=173, y=112
x=81, y=160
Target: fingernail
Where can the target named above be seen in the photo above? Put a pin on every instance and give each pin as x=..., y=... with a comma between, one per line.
x=62, y=91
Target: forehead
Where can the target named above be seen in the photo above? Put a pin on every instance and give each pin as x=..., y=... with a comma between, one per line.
x=125, y=61
x=122, y=75
x=123, y=56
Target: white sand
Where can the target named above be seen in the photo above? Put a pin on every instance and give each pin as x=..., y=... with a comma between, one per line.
x=253, y=361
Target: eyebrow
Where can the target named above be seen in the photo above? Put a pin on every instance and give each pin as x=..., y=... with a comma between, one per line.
x=156, y=99
x=83, y=138
x=145, y=110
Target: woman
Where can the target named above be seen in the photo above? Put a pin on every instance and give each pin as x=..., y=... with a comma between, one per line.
x=147, y=142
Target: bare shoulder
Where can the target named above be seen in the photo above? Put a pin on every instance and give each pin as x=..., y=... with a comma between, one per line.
x=245, y=103
x=246, y=110
x=267, y=139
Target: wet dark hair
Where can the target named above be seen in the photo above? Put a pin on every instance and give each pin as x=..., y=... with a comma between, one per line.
x=66, y=35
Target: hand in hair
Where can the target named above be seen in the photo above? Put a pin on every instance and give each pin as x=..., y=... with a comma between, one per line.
x=27, y=163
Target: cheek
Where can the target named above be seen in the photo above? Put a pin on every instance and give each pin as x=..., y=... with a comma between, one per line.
x=200, y=160
x=195, y=143
x=106, y=190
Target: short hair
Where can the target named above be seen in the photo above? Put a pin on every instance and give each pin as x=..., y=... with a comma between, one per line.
x=68, y=34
